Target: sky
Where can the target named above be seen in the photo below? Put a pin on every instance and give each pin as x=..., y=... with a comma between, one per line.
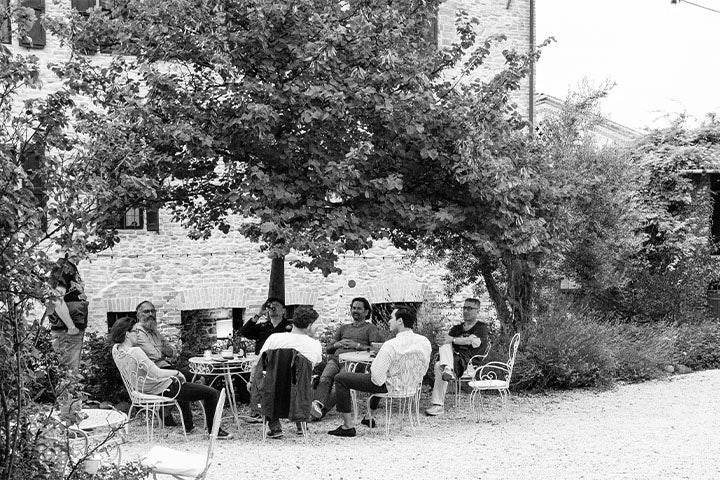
x=663, y=58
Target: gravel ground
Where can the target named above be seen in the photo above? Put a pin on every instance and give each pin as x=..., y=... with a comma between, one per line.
x=656, y=430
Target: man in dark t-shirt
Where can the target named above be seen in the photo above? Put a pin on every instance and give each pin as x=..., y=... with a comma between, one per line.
x=462, y=342
x=67, y=310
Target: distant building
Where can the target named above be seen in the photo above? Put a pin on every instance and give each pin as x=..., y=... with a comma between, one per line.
x=606, y=132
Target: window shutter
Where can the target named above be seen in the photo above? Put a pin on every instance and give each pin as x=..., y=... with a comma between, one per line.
x=153, y=219
x=82, y=6
x=5, y=21
x=37, y=32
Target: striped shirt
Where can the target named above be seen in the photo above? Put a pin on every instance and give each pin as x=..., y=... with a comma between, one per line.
x=386, y=362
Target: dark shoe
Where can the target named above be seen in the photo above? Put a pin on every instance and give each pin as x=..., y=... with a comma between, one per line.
x=189, y=429
x=299, y=431
x=223, y=435
x=169, y=421
x=369, y=422
x=275, y=434
x=448, y=375
x=343, y=432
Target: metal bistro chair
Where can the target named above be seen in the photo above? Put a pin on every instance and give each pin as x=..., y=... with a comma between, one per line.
x=134, y=378
x=183, y=465
x=404, y=383
x=494, y=376
x=469, y=374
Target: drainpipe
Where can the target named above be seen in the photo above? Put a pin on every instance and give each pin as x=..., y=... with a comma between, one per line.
x=531, y=109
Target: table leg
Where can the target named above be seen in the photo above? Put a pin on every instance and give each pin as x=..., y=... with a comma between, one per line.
x=232, y=400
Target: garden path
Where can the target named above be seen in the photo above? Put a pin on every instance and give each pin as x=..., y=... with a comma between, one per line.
x=664, y=429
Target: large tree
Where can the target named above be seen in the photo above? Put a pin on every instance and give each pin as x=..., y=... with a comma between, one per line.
x=326, y=125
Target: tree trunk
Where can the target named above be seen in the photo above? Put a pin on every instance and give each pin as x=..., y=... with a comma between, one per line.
x=277, y=278
x=496, y=296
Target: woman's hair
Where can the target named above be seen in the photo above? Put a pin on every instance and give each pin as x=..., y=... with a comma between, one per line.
x=120, y=328
x=304, y=316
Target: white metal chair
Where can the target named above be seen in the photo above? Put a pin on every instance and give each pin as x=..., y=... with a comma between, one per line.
x=134, y=378
x=184, y=465
x=469, y=374
x=404, y=383
x=494, y=376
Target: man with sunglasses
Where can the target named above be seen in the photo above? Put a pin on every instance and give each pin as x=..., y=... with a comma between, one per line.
x=462, y=342
x=270, y=319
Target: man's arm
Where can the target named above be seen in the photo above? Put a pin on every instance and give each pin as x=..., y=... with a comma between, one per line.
x=380, y=366
x=57, y=304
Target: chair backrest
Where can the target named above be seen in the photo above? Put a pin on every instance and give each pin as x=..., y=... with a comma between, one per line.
x=512, y=353
x=133, y=373
x=405, y=375
x=217, y=419
x=128, y=368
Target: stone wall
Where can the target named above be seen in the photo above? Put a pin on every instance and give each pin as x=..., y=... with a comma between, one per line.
x=509, y=17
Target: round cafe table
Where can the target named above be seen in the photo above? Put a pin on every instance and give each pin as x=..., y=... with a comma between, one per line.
x=216, y=366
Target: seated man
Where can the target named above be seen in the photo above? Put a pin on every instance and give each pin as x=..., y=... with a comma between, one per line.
x=349, y=337
x=300, y=338
x=270, y=319
x=462, y=342
x=387, y=362
x=155, y=345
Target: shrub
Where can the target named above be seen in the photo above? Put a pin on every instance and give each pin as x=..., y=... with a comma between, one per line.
x=571, y=350
x=698, y=345
x=101, y=378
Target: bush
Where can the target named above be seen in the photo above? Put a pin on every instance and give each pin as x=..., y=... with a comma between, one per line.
x=570, y=350
x=698, y=345
x=100, y=377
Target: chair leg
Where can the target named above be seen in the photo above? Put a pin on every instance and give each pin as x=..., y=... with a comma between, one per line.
x=475, y=403
x=354, y=398
x=264, y=428
x=182, y=420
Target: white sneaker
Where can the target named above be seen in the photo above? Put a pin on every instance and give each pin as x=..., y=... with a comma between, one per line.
x=470, y=371
x=316, y=409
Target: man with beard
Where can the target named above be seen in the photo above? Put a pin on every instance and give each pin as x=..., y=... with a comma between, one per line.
x=155, y=345
x=355, y=336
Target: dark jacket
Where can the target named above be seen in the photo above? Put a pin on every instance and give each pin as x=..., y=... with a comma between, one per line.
x=281, y=385
x=261, y=331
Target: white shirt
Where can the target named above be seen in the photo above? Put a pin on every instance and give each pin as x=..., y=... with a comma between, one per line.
x=307, y=346
x=386, y=362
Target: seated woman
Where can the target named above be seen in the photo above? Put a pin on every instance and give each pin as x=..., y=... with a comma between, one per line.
x=168, y=383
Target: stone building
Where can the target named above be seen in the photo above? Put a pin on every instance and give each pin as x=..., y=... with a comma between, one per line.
x=224, y=279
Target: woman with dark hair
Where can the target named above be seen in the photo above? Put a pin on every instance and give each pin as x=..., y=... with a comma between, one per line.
x=157, y=381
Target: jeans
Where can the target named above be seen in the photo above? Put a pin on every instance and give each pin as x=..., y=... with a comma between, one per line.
x=190, y=392
x=327, y=377
x=68, y=348
x=361, y=382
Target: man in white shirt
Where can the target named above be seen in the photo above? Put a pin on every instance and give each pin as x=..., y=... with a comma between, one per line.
x=387, y=363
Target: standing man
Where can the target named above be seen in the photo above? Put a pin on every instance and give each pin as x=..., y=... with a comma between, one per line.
x=349, y=337
x=67, y=310
x=270, y=319
x=387, y=364
x=156, y=346
x=462, y=342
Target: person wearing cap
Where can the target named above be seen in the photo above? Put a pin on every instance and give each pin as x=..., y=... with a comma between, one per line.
x=270, y=319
